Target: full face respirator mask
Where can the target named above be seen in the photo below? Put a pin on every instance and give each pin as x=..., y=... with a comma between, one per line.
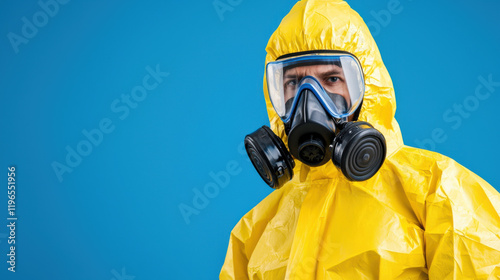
x=318, y=96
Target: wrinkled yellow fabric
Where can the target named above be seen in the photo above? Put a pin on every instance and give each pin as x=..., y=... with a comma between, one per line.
x=422, y=216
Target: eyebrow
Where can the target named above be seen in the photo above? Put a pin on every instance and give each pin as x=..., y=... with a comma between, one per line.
x=291, y=76
x=336, y=71
x=332, y=72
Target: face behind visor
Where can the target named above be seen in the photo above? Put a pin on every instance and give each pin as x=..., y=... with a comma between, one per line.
x=339, y=76
x=316, y=95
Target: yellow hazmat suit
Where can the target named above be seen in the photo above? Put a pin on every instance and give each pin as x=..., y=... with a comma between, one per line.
x=421, y=216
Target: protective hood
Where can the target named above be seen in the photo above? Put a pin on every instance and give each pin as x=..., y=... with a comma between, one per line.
x=421, y=216
x=333, y=25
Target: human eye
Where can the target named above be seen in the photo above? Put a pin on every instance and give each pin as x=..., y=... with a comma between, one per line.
x=333, y=79
x=291, y=83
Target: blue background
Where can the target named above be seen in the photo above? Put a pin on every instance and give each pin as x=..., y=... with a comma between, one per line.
x=119, y=207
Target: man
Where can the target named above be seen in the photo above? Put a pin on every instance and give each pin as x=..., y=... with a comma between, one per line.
x=384, y=211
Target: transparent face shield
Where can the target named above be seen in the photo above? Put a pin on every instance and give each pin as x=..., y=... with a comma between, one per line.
x=336, y=79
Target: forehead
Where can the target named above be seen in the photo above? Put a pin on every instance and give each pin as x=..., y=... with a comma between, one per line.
x=314, y=69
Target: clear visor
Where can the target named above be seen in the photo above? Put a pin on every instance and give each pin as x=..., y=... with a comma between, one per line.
x=337, y=80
